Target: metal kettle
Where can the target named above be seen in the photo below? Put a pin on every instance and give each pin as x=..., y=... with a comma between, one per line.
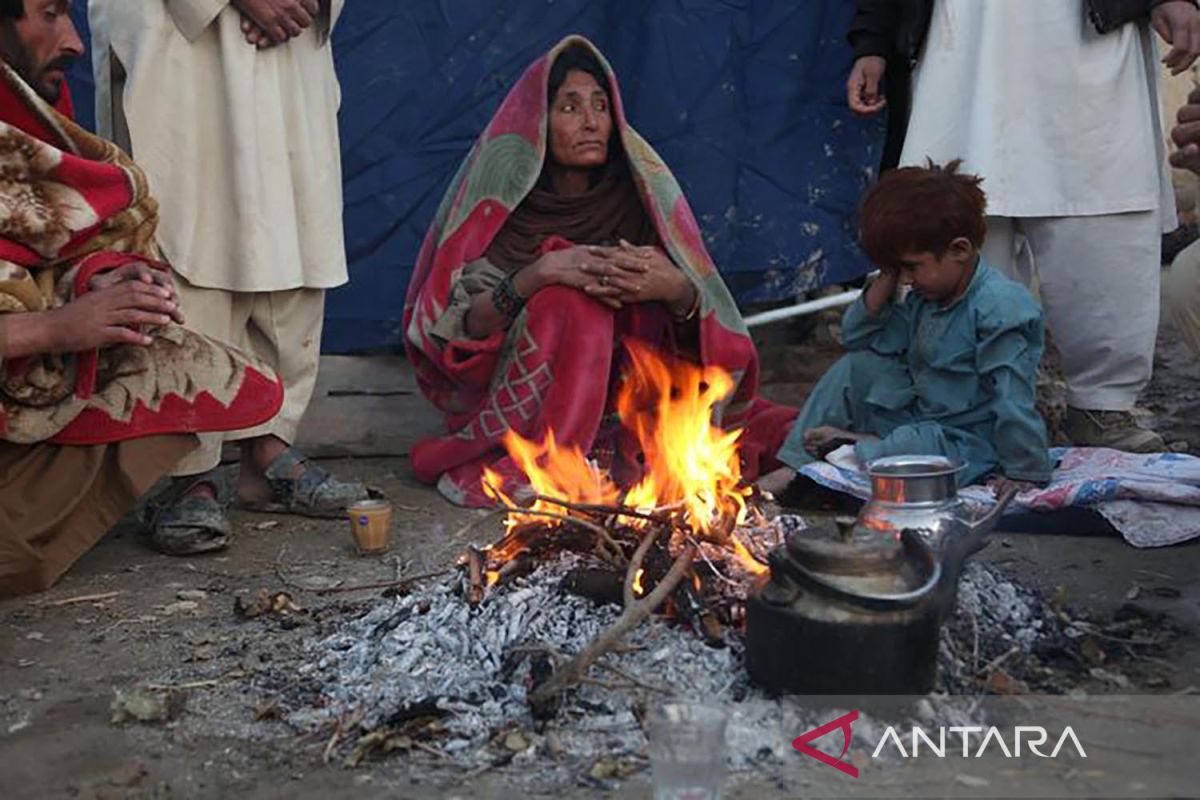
x=920, y=494
x=857, y=607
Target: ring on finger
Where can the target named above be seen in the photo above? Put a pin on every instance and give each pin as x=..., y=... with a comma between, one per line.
x=604, y=280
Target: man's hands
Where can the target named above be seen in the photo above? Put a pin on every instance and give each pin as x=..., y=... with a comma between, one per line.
x=110, y=315
x=864, y=90
x=267, y=23
x=141, y=273
x=1178, y=23
x=1186, y=134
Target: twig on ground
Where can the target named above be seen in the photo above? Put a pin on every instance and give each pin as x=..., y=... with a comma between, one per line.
x=279, y=571
x=433, y=751
x=633, y=616
x=168, y=687
x=637, y=682
x=70, y=601
x=397, y=584
x=998, y=660
x=327, y=753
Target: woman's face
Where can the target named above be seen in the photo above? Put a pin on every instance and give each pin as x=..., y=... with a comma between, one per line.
x=580, y=122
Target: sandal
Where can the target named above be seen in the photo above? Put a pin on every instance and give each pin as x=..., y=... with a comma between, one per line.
x=312, y=493
x=185, y=526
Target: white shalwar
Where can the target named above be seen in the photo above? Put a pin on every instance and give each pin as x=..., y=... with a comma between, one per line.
x=242, y=151
x=1063, y=125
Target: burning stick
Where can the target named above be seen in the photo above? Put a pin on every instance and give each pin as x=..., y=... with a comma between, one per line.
x=474, y=576
x=689, y=600
x=546, y=694
x=662, y=516
x=635, y=564
x=606, y=542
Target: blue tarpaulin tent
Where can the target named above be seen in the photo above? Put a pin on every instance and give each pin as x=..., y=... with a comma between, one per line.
x=743, y=98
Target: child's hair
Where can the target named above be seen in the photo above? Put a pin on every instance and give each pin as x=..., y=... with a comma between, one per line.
x=921, y=209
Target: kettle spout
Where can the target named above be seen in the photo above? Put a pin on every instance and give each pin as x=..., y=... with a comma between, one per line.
x=961, y=548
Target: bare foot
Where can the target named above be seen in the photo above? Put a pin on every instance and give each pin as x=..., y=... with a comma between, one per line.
x=774, y=483
x=257, y=455
x=824, y=439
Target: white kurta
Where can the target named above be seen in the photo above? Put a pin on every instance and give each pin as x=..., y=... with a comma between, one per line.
x=241, y=146
x=1057, y=118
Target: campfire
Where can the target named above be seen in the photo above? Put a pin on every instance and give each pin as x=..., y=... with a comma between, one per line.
x=683, y=533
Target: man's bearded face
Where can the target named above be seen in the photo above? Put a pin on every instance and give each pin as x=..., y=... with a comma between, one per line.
x=42, y=45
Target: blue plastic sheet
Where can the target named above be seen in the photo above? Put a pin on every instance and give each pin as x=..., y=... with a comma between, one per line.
x=744, y=99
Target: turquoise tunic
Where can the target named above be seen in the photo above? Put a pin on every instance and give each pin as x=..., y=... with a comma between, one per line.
x=959, y=381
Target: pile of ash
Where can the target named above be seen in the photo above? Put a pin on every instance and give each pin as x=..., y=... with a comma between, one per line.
x=428, y=667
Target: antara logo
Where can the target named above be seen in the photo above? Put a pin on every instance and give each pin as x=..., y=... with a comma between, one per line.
x=843, y=722
x=1032, y=737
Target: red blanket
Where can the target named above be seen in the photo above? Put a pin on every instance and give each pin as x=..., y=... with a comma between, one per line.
x=554, y=369
x=76, y=206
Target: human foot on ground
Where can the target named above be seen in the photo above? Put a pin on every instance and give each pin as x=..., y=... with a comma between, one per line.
x=276, y=477
x=774, y=483
x=1118, y=430
x=191, y=520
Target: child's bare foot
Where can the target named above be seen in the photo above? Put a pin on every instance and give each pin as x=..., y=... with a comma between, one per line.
x=774, y=483
x=824, y=439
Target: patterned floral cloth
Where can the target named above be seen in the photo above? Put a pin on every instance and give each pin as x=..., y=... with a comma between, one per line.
x=1152, y=500
x=75, y=206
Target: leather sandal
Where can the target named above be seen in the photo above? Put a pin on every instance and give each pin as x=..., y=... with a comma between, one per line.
x=185, y=526
x=314, y=492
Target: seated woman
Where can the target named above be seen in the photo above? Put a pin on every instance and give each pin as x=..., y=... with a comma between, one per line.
x=101, y=388
x=950, y=370
x=562, y=236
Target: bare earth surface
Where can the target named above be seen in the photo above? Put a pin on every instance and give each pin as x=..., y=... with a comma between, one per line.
x=169, y=626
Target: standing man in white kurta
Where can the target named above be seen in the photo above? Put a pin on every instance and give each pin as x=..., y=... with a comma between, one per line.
x=1062, y=122
x=231, y=108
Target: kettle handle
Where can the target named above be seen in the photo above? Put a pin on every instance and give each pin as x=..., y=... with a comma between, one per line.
x=914, y=544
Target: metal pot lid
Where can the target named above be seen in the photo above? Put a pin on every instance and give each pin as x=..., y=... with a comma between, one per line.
x=913, y=467
x=842, y=547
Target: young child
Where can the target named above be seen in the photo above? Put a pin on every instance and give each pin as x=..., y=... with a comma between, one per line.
x=949, y=370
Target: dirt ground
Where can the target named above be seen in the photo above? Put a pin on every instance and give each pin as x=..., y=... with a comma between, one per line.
x=169, y=624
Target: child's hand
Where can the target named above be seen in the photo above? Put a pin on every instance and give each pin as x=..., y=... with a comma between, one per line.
x=882, y=290
x=1000, y=484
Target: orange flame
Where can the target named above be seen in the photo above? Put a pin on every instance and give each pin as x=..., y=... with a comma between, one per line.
x=637, y=583
x=691, y=465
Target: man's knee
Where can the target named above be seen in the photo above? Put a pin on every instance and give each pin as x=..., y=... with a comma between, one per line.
x=1182, y=293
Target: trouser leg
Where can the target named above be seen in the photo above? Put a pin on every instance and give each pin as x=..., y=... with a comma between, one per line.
x=1099, y=283
x=284, y=328
x=1183, y=295
x=221, y=315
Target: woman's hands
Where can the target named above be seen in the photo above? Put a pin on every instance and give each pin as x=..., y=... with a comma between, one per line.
x=566, y=267
x=628, y=274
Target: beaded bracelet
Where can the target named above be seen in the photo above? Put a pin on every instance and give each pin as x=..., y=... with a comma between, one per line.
x=505, y=299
